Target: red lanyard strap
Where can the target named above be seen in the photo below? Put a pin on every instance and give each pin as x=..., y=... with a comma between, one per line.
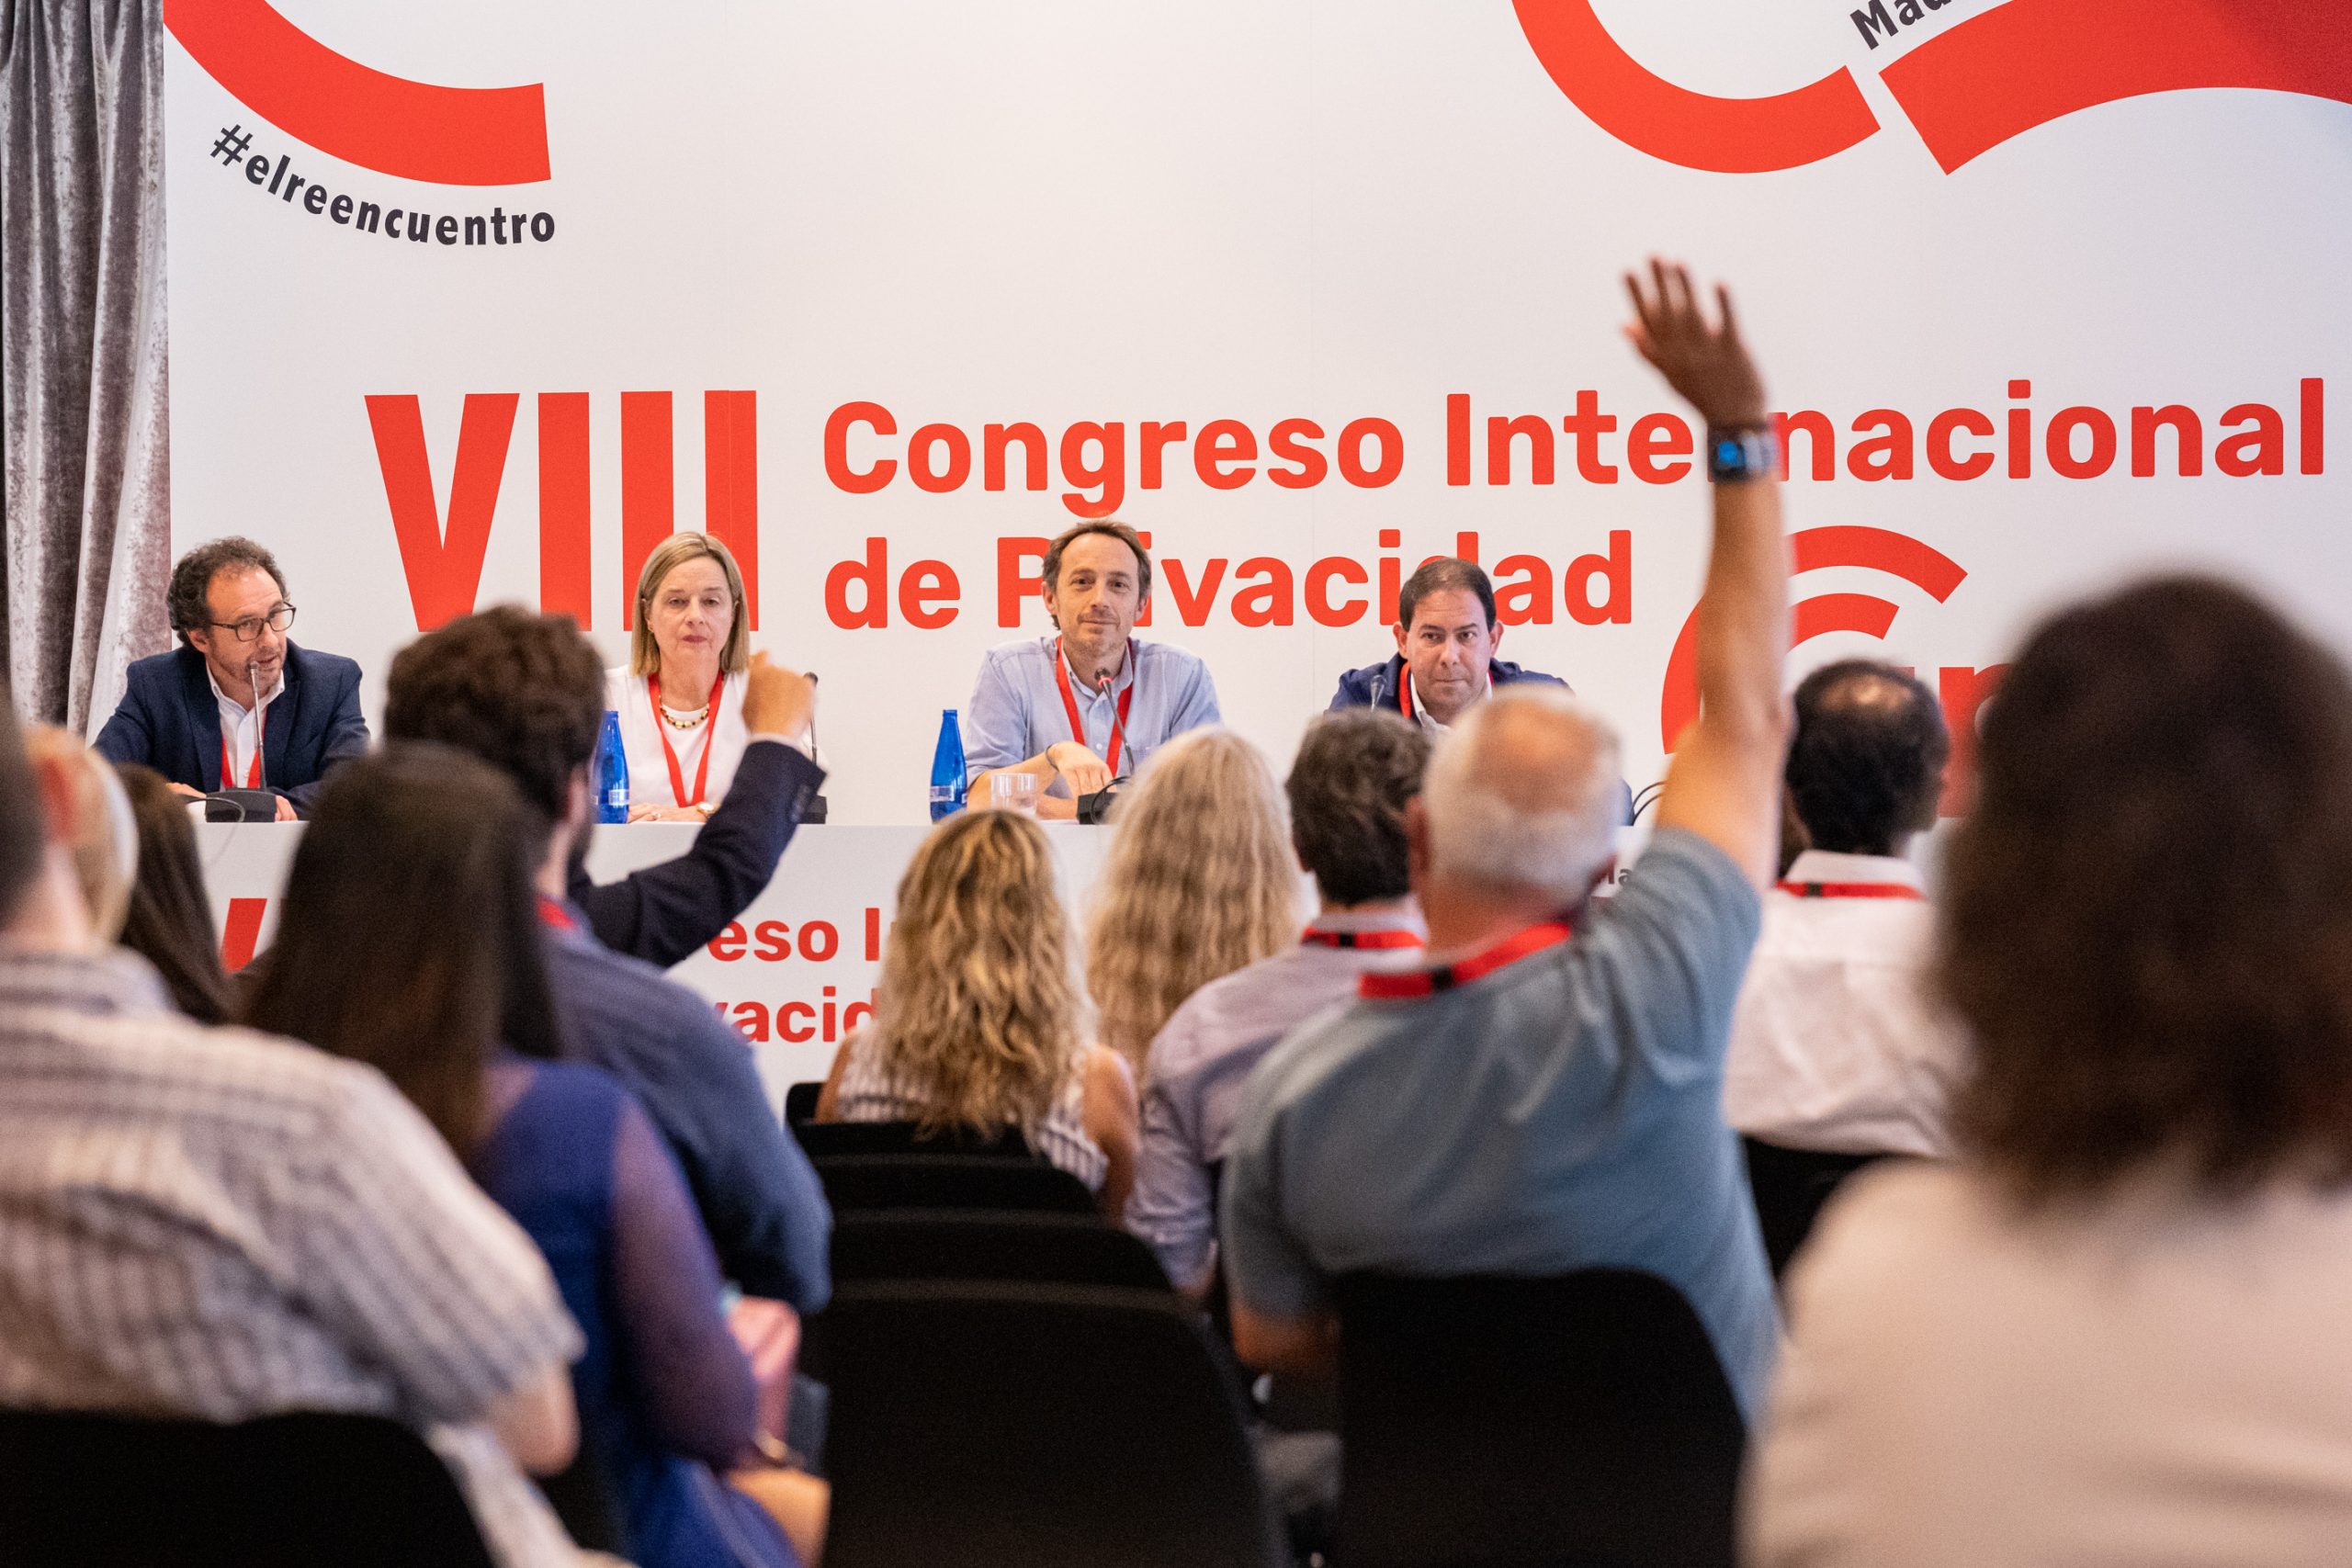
x=1069, y=703
x=229, y=770
x=1477, y=967
x=1384, y=938
x=710, y=738
x=1851, y=890
x=555, y=917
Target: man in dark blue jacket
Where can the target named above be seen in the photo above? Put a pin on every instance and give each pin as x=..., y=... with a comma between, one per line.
x=237, y=704
x=525, y=692
x=1447, y=633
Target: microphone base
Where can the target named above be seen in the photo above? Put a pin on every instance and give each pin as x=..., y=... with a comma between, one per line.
x=241, y=806
x=1095, y=807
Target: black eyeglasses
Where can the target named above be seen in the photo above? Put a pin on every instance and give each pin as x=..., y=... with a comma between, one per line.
x=249, y=628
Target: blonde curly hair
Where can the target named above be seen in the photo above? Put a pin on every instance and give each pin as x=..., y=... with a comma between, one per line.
x=1201, y=880
x=978, y=1013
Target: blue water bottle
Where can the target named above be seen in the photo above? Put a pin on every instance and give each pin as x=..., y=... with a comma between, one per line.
x=611, y=771
x=948, y=769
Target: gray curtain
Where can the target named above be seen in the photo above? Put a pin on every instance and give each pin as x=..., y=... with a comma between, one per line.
x=88, y=516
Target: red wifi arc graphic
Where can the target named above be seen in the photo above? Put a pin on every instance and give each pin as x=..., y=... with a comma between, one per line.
x=457, y=136
x=1879, y=549
x=1967, y=90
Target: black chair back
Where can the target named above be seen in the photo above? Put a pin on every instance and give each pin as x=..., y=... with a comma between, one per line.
x=1004, y=1425
x=800, y=1102
x=982, y=1243
x=85, y=1491
x=823, y=1140
x=949, y=1181
x=1504, y=1423
x=1791, y=1186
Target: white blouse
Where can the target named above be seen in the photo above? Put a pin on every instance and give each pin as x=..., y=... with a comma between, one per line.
x=642, y=735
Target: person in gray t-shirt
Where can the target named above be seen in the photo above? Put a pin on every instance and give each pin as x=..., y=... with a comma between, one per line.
x=1548, y=1096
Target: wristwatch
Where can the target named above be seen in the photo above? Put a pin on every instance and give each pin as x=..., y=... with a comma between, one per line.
x=1739, y=452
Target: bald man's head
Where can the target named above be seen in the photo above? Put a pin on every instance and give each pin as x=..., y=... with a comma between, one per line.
x=1521, y=796
x=1866, y=759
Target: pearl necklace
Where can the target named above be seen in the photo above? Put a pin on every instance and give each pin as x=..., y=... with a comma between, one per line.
x=670, y=717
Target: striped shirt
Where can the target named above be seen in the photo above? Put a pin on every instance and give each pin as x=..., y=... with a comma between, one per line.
x=216, y=1223
x=871, y=1091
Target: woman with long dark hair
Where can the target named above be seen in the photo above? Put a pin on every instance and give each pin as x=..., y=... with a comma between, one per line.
x=170, y=919
x=410, y=937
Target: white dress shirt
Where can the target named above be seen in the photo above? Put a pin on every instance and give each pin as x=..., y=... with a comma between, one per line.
x=1835, y=1045
x=240, y=727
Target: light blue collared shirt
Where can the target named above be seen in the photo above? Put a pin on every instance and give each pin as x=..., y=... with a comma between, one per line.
x=1016, y=708
x=1202, y=1056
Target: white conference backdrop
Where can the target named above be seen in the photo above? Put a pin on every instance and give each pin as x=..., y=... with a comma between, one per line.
x=1057, y=211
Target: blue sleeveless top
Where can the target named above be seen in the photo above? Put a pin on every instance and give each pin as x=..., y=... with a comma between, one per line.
x=549, y=1163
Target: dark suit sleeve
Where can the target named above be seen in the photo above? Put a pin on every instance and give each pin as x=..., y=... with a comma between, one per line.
x=126, y=738
x=346, y=738
x=665, y=912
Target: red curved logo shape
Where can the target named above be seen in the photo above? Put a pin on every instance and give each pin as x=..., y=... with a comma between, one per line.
x=456, y=136
x=2030, y=61
x=1976, y=85
x=1877, y=549
x=1731, y=136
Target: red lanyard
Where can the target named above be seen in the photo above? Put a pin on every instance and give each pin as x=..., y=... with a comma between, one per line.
x=710, y=738
x=554, y=916
x=1069, y=704
x=1851, y=890
x=1477, y=967
x=1314, y=937
x=229, y=771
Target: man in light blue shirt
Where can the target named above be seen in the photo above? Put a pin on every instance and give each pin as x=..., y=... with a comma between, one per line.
x=1348, y=788
x=1546, y=1096
x=1087, y=704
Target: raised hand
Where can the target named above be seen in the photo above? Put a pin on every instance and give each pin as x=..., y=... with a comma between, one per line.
x=1707, y=364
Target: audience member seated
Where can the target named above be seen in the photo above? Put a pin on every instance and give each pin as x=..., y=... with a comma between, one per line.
x=975, y=1021
x=1835, y=1049
x=524, y=692
x=665, y=912
x=370, y=967
x=216, y=1223
x=2113, y=1330
x=238, y=705
x=106, y=843
x=1200, y=880
x=1548, y=1097
x=1348, y=787
x=170, y=918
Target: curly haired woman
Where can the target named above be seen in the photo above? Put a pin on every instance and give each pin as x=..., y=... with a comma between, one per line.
x=975, y=1022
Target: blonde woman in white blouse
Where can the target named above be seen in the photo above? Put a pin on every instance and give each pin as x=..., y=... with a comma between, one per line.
x=680, y=698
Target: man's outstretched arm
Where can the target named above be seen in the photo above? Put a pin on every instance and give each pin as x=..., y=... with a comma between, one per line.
x=1725, y=784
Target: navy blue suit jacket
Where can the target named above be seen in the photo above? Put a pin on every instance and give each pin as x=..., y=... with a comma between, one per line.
x=665, y=912
x=1382, y=686
x=170, y=721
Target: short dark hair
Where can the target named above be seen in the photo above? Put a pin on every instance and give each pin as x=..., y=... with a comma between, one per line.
x=1110, y=528
x=185, y=600
x=1446, y=574
x=23, y=830
x=369, y=962
x=523, y=691
x=169, y=922
x=1866, y=757
x=1348, y=787
x=2143, y=923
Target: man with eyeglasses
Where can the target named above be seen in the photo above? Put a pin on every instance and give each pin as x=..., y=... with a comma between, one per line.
x=237, y=704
